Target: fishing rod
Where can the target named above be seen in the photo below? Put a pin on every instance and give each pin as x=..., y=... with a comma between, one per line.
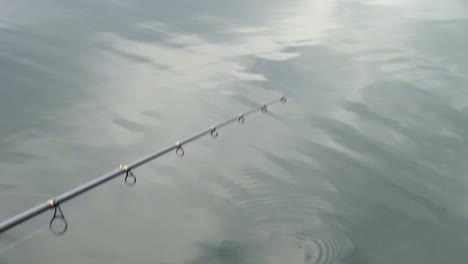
x=127, y=170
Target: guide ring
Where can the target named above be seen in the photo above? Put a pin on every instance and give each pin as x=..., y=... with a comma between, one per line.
x=130, y=178
x=241, y=119
x=58, y=214
x=179, y=150
x=214, y=132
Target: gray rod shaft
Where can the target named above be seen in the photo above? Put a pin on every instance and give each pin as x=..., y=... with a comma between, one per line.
x=123, y=170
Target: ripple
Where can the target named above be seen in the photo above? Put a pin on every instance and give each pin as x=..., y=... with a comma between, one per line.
x=279, y=208
x=321, y=248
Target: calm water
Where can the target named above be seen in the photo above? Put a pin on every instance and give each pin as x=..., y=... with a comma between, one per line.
x=367, y=163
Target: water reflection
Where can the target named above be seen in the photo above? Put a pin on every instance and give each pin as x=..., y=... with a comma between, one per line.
x=364, y=165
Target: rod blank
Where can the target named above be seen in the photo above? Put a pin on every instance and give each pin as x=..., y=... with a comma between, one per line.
x=55, y=203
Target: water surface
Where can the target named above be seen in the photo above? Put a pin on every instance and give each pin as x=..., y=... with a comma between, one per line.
x=365, y=164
